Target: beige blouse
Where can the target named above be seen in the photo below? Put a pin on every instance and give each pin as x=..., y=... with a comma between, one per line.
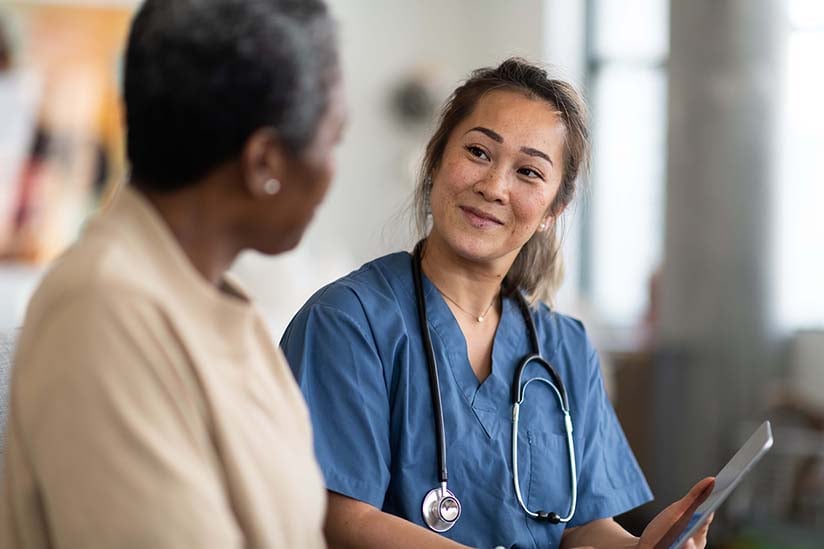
x=150, y=409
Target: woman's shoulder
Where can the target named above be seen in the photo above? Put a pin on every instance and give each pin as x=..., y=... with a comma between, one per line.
x=557, y=320
x=374, y=288
x=562, y=329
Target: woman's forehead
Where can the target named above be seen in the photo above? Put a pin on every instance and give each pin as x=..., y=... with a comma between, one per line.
x=519, y=119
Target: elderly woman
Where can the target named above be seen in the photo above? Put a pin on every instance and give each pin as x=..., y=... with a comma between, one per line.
x=443, y=391
x=150, y=407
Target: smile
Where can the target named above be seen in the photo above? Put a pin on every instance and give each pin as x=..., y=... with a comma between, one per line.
x=478, y=218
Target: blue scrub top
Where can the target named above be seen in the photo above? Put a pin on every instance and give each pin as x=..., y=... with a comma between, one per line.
x=357, y=354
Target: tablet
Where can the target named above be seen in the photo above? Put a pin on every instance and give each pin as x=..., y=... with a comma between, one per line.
x=728, y=478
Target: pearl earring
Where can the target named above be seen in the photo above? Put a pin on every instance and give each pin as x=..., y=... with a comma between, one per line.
x=542, y=226
x=271, y=186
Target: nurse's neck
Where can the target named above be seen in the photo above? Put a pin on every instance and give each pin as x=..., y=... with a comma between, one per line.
x=472, y=284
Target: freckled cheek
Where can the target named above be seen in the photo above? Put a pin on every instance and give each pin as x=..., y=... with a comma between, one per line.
x=457, y=175
x=452, y=183
x=529, y=214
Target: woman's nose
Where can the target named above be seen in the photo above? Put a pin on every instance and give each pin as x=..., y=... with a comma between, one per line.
x=492, y=187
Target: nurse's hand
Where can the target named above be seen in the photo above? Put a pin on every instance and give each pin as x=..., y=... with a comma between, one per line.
x=671, y=522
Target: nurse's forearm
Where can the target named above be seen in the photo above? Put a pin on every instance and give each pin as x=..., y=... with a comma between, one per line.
x=604, y=534
x=353, y=524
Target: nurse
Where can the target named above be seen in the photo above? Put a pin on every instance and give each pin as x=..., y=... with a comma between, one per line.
x=497, y=174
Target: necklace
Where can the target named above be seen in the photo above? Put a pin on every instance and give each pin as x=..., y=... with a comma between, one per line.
x=479, y=318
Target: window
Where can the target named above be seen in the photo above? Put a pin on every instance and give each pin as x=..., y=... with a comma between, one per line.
x=800, y=184
x=628, y=48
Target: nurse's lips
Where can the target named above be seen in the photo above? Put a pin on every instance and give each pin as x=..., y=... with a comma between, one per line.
x=479, y=218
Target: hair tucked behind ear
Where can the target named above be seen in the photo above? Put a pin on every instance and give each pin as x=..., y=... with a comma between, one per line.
x=538, y=269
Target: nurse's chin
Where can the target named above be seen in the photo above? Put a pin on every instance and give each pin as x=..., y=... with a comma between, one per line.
x=475, y=251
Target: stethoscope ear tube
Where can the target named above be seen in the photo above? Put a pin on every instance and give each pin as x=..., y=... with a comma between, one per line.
x=518, y=395
x=544, y=516
x=517, y=389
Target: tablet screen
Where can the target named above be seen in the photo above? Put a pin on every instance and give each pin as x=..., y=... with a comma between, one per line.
x=728, y=478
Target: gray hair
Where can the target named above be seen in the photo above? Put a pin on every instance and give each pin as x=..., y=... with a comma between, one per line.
x=202, y=75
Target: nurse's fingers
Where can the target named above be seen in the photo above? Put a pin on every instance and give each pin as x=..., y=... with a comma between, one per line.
x=699, y=539
x=695, y=497
x=671, y=522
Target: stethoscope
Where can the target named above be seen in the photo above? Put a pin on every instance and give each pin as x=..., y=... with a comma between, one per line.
x=441, y=508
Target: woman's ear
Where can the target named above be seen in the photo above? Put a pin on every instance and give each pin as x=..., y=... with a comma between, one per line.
x=262, y=163
x=551, y=217
x=546, y=223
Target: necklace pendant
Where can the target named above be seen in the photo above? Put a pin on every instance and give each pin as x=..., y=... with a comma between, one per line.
x=480, y=319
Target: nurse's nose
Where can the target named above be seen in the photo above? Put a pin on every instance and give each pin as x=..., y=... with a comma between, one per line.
x=493, y=187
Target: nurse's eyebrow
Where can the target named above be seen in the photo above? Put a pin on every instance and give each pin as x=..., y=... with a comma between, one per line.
x=495, y=136
x=539, y=154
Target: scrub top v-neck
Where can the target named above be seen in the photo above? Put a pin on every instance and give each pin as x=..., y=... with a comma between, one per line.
x=357, y=353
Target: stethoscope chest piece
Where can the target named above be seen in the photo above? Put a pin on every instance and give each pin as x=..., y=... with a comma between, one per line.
x=441, y=509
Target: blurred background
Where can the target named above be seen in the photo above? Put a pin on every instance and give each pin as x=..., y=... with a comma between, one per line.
x=695, y=252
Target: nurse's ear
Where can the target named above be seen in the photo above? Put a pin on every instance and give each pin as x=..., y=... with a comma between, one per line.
x=545, y=224
x=551, y=217
x=263, y=164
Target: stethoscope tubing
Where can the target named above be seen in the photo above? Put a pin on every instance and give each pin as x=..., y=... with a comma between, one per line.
x=518, y=393
x=434, y=381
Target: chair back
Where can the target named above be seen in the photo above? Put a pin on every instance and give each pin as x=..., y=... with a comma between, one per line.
x=7, y=344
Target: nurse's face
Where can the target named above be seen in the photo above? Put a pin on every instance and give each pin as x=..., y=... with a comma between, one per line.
x=498, y=177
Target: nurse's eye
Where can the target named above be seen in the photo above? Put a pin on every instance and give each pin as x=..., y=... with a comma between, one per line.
x=531, y=173
x=477, y=152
